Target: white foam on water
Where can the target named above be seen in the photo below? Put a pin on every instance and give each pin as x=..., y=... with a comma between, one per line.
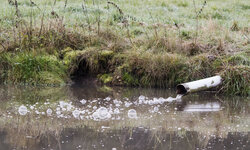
x=95, y=115
x=83, y=101
x=142, y=97
x=127, y=104
x=65, y=105
x=151, y=102
x=116, y=111
x=83, y=111
x=49, y=112
x=179, y=96
x=101, y=113
x=58, y=112
x=22, y=110
x=143, y=100
x=117, y=102
x=31, y=107
x=76, y=113
x=161, y=100
x=91, y=110
x=81, y=117
x=132, y=113
x=156, y=109
x=107, y=99
x=37, y=112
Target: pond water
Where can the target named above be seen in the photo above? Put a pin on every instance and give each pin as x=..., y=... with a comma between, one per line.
x=87, y=116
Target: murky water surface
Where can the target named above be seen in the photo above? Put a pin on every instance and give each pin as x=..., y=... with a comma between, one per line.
x=86, y=116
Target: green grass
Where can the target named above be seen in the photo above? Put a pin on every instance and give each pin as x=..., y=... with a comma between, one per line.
x=236, y=80
x=140, y=43
x=32, y=69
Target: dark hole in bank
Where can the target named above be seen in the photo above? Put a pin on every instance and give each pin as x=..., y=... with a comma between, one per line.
x=83, y=76
x=82, y=70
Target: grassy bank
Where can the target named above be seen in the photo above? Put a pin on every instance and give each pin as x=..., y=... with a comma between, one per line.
x=135, y=43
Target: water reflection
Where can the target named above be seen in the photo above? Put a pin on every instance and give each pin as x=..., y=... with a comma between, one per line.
x=206, y=107
x=92, y=117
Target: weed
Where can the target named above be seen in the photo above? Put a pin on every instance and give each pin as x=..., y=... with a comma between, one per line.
x=239, y=59
x=236, y=80
x=105, y=78
x=235, y=26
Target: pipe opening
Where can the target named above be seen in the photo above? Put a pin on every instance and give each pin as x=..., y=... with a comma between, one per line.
x=180, y=89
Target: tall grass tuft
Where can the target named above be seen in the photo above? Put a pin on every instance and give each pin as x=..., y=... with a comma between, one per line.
x=236, y=80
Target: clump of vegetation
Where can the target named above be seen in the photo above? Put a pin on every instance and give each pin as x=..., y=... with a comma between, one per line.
x=235, y=26
x=32, y=69
x=163, y=70
x=236, y=80
x=105, y=78
x=239, y=59
x=201, y=66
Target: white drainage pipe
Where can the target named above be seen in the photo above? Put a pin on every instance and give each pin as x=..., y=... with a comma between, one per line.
x=198, y=85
